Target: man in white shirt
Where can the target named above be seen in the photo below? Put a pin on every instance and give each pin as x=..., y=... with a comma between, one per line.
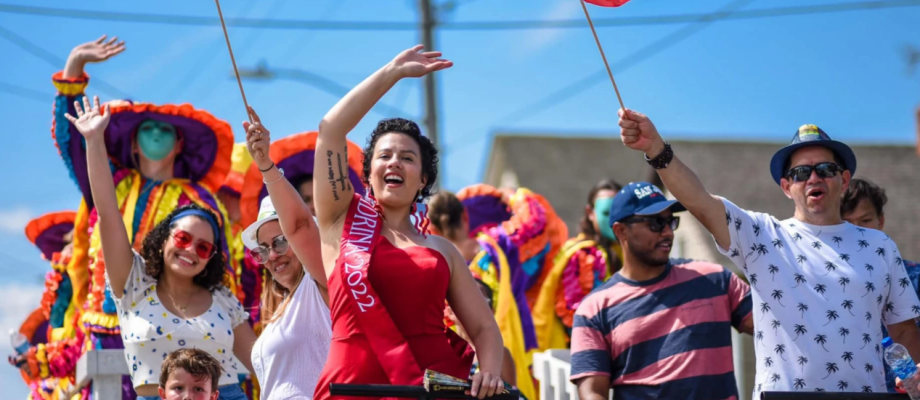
x=822, y=288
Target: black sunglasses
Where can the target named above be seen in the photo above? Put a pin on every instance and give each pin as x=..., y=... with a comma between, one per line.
x=803, y=172
x=657, y=223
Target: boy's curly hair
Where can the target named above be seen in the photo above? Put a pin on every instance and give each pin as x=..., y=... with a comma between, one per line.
x=210, y=278
x=429, y=153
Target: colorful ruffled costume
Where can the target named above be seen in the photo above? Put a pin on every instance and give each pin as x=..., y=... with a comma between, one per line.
x=518, y=240
x=51, y=328
x=200, y=169
x=294, y=155
x=579, y=267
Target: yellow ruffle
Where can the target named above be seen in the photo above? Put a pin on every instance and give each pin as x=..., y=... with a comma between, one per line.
x=100, y=319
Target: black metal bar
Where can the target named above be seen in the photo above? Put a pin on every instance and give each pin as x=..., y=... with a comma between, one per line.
x=831, y=396
x=409, y=392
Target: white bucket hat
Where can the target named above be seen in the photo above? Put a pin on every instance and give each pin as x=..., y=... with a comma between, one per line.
x=266, y=213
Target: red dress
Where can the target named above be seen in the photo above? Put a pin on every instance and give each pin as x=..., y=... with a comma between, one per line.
x=411, y=284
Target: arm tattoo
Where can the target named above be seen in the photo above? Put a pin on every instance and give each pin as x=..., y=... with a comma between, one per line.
x=335, y=193
x=342, y=179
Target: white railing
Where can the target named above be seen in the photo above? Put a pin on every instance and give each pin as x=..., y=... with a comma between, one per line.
x=104, y=368
x=551, y=368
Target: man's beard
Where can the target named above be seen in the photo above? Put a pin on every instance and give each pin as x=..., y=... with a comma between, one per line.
x=645, y=256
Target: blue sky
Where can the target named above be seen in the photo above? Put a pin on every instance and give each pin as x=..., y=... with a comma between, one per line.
x=751, y=79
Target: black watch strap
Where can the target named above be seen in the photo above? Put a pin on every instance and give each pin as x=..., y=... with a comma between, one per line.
x=662, y=160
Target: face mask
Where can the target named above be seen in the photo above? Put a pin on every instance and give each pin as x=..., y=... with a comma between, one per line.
x=156, y=139
x=602, y=214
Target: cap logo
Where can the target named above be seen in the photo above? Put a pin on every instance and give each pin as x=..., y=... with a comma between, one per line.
x=647, y=191
x=808, y=132
x=266, y=214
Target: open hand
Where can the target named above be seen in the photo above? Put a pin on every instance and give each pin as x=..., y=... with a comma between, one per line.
x=90, y=121
x=486, y=384
x=639, y=133
x=258, y=141
x=97, y=50
x=412, y=63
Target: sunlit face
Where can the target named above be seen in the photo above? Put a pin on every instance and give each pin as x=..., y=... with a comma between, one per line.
x=652, y=248
x=396, y=170
x=182, y=385
x=286, y=268
x=865, y=215
x=306, y=193
x=816, y=196
x=599, y=212
x=186, y=262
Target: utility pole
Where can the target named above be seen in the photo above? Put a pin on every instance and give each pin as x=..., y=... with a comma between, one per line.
x=428, y=25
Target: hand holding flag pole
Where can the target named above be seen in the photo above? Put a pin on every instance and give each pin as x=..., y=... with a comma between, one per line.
x=604, y=3
x=233, y=60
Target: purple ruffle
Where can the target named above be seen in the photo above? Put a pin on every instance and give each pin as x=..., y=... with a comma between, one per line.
x=518, y=285
x=52, y=239
x=486, y=210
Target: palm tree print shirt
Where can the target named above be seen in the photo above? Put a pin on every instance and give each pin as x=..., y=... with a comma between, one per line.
x=821, y=295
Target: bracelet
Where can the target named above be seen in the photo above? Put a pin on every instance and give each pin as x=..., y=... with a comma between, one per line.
x=281, y=171
x=267, y=169
x=662, y=160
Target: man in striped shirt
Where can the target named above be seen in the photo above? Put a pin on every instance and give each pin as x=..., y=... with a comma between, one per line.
x=660, y=327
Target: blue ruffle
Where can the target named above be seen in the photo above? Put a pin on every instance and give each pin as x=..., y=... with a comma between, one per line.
x=64, y=294
x=62, y=131
x=108, y=306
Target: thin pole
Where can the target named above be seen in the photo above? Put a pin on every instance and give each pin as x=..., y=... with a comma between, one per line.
x=233, y=60
x=598, y=41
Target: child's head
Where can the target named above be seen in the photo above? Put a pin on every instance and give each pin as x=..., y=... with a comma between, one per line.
x=189, y=374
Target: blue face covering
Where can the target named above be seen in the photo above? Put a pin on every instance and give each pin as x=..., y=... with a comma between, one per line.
x=602, y=214
x=156, y=139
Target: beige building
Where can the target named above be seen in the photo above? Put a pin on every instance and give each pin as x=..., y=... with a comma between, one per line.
x=564, y=168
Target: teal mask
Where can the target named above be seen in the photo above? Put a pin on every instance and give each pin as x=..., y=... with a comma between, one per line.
x=602, y=214
x=156, y=139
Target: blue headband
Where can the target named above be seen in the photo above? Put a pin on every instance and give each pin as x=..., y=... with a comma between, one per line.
x=198, y=213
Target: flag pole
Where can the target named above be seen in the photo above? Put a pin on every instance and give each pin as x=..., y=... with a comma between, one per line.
x=233, y=60
x=604, y=57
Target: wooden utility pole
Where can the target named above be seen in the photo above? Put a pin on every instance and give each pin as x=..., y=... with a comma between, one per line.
x=428, y=26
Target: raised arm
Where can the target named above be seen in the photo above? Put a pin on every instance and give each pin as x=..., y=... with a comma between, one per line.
x=70, y=84
x=333, y=194
x=116, y=248
x=639, y=133
x=293, y=214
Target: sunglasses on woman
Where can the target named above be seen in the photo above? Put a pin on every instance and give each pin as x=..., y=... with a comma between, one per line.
x=803, y=172
x=261, y=253
x=657, y=223
x=184, y=240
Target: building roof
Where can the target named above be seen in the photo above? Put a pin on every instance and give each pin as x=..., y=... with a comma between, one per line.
x=564, y=168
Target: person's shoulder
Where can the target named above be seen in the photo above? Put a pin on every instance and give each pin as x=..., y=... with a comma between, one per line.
x=701, y=266
x=443, y=246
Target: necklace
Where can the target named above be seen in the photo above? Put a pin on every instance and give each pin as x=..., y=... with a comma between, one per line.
x=176, y=304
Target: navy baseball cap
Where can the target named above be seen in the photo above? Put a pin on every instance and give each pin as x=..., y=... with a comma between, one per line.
x=810, y=135
x=641, y=198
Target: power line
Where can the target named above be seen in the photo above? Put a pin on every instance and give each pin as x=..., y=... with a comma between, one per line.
x=636, y=57
x=291, y=24
x=23, y=92
x=56, y=61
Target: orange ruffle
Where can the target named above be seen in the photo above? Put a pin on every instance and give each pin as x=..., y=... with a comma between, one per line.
x=280, y=150
x=38, y=225
x=222, y=132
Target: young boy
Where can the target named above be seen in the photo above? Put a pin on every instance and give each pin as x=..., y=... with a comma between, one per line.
x=189, y=374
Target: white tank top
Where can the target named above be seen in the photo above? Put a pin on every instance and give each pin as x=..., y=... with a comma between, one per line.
x=291, y=352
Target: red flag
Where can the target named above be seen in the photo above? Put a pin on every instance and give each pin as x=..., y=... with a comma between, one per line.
x=607, y=3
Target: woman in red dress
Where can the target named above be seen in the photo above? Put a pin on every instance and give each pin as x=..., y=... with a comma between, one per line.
x=387, y=279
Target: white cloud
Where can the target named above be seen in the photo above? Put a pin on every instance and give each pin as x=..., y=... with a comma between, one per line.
x=15, y=220
x=538, y=39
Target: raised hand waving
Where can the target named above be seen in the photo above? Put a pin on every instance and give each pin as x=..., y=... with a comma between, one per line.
x=413, y=63
x=91, y=121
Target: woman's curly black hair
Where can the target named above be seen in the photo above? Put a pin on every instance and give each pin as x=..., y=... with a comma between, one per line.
x=429, y=151
x=211, y=278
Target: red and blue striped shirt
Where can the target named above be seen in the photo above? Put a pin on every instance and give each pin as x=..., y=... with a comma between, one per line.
x=668, y=337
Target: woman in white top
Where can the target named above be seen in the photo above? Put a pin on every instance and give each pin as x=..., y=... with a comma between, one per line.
x=297, y=330
x=172, y=297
